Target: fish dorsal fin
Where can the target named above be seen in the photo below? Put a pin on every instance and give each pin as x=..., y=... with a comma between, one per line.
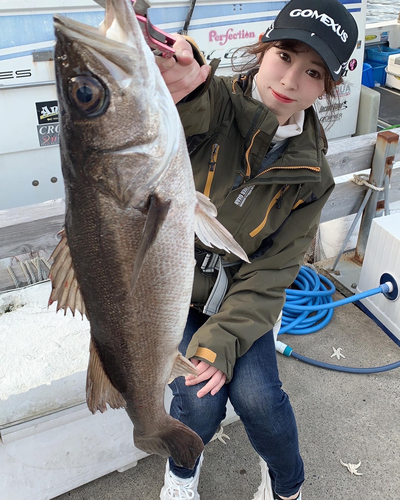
x=156, y=215
x=99, y=389
x=182, y=367
x=211, y=232
x=65, y=287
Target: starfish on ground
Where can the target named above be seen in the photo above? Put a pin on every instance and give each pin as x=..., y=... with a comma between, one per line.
x=352, y=468
x=337, y=353
x=220, y=435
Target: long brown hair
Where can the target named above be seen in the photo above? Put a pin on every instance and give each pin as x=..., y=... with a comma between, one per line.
x=254, y=55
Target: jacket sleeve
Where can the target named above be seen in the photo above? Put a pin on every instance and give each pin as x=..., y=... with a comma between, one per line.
x=196, y=111
x=257, y=294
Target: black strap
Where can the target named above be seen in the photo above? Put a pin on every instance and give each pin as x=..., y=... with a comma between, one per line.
x=273, y=154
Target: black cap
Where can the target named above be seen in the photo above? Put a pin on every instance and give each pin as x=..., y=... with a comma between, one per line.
x=325, y=25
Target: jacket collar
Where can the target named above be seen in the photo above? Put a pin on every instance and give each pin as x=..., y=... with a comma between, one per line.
x=258, y=125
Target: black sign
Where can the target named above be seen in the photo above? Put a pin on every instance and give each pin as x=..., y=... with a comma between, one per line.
x=47, y=111
x=49, y=134
x=20, y=73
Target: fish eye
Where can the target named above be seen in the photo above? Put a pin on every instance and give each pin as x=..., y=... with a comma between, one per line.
x=88, y=96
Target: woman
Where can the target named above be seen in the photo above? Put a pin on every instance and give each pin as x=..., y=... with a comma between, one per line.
x=258, y=151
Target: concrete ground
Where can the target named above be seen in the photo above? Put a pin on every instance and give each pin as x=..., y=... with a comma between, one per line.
x=340, y=416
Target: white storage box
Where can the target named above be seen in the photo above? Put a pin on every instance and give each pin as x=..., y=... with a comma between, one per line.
x=50, y=443
x=393, y=81
x=394, y=64
x=382, y=255
x=393, y=71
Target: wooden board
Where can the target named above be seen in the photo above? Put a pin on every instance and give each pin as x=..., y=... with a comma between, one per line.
x=347, y=156
x=347, y=198
x=27, y=230
x=31, y=228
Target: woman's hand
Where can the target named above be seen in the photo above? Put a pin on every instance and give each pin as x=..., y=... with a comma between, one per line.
x=206, y=371
x=183, y=74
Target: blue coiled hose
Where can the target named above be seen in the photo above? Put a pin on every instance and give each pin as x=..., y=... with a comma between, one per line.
x=314, y=294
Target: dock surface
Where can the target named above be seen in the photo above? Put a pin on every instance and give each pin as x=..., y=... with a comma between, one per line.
x=340, y=416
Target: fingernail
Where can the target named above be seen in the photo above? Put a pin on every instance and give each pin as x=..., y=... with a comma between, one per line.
x=186, y=53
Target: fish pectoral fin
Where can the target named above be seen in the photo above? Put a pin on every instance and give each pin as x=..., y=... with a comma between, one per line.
x=65, y=288
x=182, y=367
x=157, y=212
x=211, y=232
x=99, y=389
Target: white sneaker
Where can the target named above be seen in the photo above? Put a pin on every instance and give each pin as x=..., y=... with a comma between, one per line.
x=176, y=488
x=265, y=491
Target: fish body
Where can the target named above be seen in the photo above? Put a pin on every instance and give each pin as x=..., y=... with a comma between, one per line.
x=126, y=257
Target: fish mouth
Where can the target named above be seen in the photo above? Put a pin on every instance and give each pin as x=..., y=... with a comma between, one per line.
x=119, y=28
x=116, y=54
x=118, y=42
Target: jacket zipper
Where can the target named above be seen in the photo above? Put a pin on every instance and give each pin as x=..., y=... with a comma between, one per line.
x=314, y=169
x=278, y=198
x=212, y=164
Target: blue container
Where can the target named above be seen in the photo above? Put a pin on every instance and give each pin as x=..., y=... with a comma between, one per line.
x=380, y=54
x=378, y=70
x=367, y=76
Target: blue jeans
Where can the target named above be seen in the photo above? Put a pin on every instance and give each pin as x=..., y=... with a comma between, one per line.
x=256, y=395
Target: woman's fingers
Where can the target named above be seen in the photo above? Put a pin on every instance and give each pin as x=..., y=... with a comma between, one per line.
x=182, y=74
x=213, y=385
x=216, y=378
x=201, y=367
x=218, y=386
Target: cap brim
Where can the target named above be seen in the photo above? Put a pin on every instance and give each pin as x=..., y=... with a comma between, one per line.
x=312, y=40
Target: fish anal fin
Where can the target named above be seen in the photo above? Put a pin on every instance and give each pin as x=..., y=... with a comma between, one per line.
x=65, y=288
x=157, y=212
x=182, y=367
x=99, y=389
x=211, y=232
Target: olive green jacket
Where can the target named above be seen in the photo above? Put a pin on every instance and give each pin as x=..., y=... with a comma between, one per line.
x=272, y=212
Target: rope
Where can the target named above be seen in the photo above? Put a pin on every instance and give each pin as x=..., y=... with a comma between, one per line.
x=360, y=180
x=36, y=262
x=28, y=265
x=29, y=274
x=13, y=277
x=24, y=270
x=45, y=262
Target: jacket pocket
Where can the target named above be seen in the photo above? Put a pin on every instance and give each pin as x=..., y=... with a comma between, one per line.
x=212, y=165
x=276, y=201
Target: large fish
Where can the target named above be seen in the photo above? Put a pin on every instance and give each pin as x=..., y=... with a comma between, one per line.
x=126, y=257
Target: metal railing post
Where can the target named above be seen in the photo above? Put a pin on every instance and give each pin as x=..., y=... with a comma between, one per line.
x=382, y=162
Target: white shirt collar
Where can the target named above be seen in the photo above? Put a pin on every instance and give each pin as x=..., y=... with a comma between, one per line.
x=292, y=128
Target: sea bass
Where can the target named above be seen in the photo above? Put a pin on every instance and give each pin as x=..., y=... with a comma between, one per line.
x=126, y=256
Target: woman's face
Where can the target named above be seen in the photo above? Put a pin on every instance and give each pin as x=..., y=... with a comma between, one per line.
x=289, y=82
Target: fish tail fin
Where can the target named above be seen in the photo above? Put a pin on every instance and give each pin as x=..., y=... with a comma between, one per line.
x=173, y=439
x=211, y=232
